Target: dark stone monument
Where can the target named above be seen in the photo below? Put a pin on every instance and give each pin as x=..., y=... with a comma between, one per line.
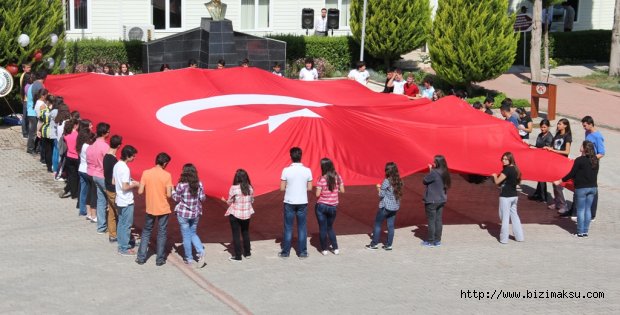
x=212, y=41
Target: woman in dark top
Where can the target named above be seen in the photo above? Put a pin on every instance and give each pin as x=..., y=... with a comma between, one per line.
x=561, y=145
x=437, y=183
x=508, y=180
x=584, y=174
x=525, y=124
x=544, y=139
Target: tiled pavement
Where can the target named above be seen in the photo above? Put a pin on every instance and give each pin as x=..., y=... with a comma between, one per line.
x=54, y=262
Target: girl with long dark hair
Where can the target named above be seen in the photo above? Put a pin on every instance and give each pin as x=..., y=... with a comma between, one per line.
x=437, y=183
x=390, y=194
x=584, y=172
x=240, y=199
x=508, y=180
x=561, y=145
x=544, y=139
x=84, y=139
x=327, y=188
x=189, y=195
x=72, y=160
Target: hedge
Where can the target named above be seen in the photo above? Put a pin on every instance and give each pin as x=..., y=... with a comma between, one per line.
x=95, y=51
x=340, y=51
x=572, y=47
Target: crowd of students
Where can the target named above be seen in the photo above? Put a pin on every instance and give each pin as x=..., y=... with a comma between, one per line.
x=104, y=190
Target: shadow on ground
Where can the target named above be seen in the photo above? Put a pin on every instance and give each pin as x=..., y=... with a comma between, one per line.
x=468, y=203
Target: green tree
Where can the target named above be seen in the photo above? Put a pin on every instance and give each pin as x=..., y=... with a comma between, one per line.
x=38, y=19
x=472, y=41
x=393, y=27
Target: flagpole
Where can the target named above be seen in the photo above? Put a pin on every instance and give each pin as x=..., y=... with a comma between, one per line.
x=363, y=31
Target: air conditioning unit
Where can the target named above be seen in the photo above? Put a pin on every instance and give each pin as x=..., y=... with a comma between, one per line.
x=138, y=32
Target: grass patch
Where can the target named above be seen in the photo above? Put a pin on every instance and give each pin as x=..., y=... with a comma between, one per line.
x=599, y=79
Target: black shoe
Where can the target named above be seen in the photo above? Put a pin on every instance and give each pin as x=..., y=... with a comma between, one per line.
x=283, y=255
x=112, y=239
x=565, y=214
x=535, y=197
x=303, y=255
x=160, y=263
x=140, y=262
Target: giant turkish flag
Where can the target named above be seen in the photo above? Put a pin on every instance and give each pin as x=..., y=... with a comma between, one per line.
x=221, y=120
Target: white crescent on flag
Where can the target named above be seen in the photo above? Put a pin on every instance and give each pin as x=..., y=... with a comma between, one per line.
x=172, y=115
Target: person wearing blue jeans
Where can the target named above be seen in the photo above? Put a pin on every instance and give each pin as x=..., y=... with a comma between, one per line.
x=390, y=218
x=290, y=213
x=123, y=186
x=190, y=238
x=123, y=229
x=102, y=205
x=326, y=215
x=585, y=200
x=156, y=182
x=296, y=181
x=584, y=173
x=390, y=193
x=84, y=189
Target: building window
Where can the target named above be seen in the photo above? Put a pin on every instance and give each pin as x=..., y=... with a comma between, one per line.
x=343, y=6
x=255, y=14
x=167, y=14
x=77, y=13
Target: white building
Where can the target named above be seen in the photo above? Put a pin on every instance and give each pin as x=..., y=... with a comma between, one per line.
x=589, y=14
x=112, y=19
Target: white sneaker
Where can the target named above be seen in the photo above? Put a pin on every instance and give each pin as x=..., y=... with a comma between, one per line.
x=574, y=219
x=336, y=252
x=94, y=219
x=324, y=253
x=593, y=219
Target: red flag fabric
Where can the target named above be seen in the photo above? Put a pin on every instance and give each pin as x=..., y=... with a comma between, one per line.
x=221, y=120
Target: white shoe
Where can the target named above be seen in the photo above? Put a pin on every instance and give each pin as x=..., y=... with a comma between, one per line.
x=336, y=252
x=592, y=220
x=574, y=219
x=324, y=253
x=94, y=219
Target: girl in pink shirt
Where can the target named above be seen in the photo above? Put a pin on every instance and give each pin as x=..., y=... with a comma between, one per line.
x=327, y=188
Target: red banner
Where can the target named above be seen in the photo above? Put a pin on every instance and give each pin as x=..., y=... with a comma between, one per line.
x=222, y=120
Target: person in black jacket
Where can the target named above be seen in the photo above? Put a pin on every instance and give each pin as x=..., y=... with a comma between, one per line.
x=584, y=174
x=437, y=183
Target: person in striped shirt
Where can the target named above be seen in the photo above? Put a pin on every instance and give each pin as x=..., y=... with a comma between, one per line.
x=327, y=188
x=240, y=199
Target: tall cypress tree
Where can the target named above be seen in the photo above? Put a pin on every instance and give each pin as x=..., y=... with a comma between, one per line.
x=393, y=27
x=36, y=18
x=472, y=40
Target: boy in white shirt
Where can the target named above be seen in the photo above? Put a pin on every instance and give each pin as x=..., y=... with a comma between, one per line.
x=296, y=181
x=360, y=74
x=309, y=73
x=397, y=82
x=124, y=199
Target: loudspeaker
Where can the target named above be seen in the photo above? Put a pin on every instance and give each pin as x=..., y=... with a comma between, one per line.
x=333, y=19
x=307, y=18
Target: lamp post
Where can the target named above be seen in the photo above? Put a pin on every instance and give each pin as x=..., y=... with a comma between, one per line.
x=363, y=30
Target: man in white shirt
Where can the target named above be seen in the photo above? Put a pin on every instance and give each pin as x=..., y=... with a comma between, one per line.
x=121, y=177
x=309, y=73
x=320, y=26
x=296, y=181
x=360, y=74
x=397, y=82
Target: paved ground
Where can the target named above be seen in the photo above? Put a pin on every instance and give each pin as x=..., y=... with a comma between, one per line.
x=54, y=262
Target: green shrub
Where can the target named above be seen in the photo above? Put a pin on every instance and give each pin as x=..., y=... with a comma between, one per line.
x=516, y=102
x=323, y=67
x=101, y=51
x=342, y=52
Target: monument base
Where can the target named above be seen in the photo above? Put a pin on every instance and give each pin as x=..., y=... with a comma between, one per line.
x=212, y=41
